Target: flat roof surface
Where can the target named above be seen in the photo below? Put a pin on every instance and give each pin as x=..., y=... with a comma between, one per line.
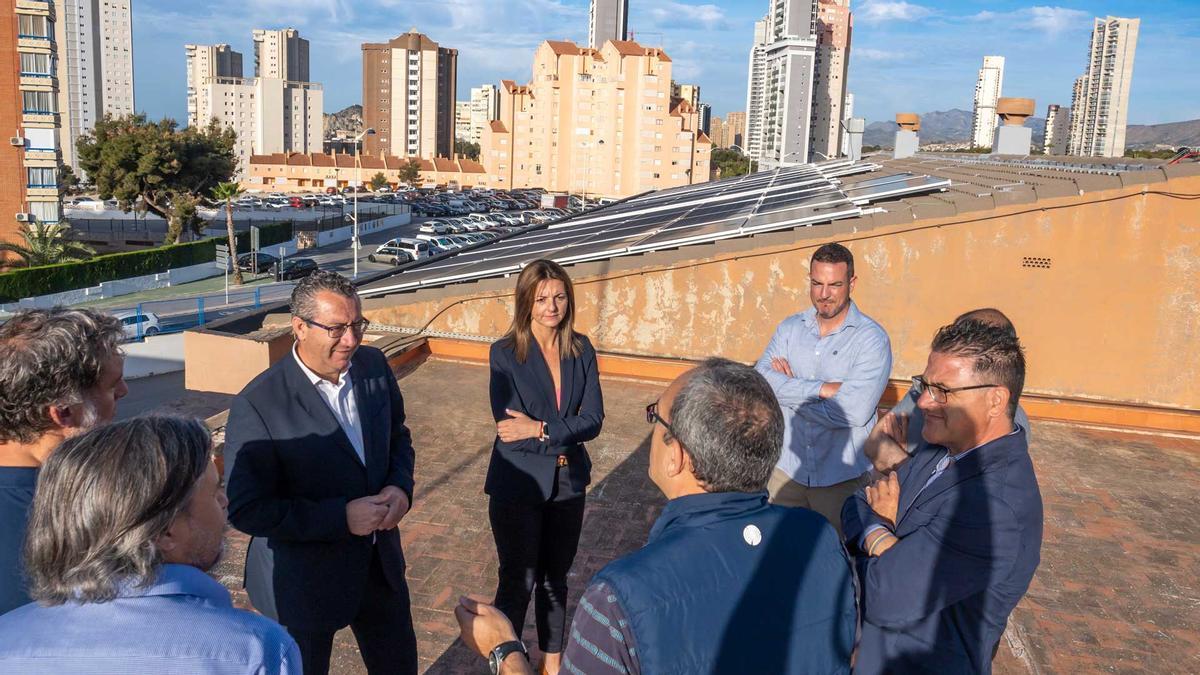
x=1118, y=589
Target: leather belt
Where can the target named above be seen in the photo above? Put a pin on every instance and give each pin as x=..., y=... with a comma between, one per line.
x=562, y=460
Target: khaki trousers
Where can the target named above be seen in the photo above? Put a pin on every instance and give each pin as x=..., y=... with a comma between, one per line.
x=827, y=500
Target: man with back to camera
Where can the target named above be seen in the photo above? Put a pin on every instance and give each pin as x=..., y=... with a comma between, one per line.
x=905, y=420
x=727, y=582
x=117, y=566
x=828, y=367
x=61, y=373
x=947, y=545
x=321, y=474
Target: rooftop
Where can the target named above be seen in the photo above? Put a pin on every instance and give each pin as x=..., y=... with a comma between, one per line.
x=1117, y=588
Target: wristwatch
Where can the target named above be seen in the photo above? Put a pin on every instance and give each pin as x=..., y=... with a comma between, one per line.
x=502, y=651
x=545, y=435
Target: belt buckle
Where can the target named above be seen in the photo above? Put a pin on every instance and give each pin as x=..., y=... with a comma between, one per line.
x=562, y=460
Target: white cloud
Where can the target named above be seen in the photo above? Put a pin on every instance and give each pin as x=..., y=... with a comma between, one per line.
x=676, y=15
x=875, y=11
x=882, y=55
x=1048, y=20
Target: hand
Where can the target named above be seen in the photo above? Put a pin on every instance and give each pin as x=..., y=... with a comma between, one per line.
x=482, y=626
x=518, y=427
x=886, y=444
x=781, y=365
x=364, y=514
x=884, y=498
x=828, y=389
x=397, y=502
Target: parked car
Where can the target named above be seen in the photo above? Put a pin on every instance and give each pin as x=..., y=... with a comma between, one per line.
x=296, y=202
x=245, y=261
x=434, y=227
x=443, y=242
x=294, y=268
x=390, y=254
x=135, y=325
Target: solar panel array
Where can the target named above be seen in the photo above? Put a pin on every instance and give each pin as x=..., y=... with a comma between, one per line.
x=785, y=198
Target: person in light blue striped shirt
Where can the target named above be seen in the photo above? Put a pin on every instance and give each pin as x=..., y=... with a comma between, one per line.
x=828, y=367
x=126, y=520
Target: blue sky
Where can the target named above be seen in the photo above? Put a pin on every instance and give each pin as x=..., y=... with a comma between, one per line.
x=905, y=56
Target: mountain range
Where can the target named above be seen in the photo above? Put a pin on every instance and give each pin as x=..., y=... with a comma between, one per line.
x=954, y=126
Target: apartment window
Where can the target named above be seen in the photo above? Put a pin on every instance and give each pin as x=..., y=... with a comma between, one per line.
x=44, y=212
x=38, y=102
x=42, y=177
x=35, y=64
x=29, y=25
x=41, y=139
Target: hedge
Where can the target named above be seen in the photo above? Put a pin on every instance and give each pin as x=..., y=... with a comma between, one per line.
x=30, y=282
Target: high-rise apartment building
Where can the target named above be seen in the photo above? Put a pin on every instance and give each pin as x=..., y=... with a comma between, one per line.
x=786, y=85
x=1100, y=106
x=408, y=97
x=595, y=121
x=988, y=89
x=29, y=113
x=281, y=55
x=485, y=107
x=95, y=66
x=688, y=92
x=735, y=130
x=269, y=113
x=462, y=120
x=1058, y=130
x=203, y=62
x=847, y=113
x=607, y=20
x=704, y=110
x=716, y=133
x=756, y=90
x=834, y=28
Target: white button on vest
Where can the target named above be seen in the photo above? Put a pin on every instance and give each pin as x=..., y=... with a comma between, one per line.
x=752, y=535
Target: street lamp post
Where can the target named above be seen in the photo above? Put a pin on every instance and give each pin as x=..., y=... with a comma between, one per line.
x=357, y=184
x=587, y=169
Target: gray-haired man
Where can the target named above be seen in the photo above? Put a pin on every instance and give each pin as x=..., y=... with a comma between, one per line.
x=61, y=373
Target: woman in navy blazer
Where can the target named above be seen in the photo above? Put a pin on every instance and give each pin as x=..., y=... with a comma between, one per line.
x=546, y=400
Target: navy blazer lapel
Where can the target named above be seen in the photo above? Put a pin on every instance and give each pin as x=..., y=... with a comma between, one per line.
x=314, y=404
x=360, y=380
x=566, y=371
x=541, y=370
x=918, y=473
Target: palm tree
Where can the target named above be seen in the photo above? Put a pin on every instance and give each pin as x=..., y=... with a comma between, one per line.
x=227, y=192
x=47, y=244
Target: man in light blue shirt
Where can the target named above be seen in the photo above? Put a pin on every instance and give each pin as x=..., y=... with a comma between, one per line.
x=828, y=366
x=125, y=521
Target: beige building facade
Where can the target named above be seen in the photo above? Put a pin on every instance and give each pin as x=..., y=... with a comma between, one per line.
x=1101, y=102
x=280, y=54
x=408, y=98
x=462, y=120
x=597, y=122
x=95, y=66
x=315, y=172
x=735, y=130
x=203, y=62
x=485, y=107
x=834, y=31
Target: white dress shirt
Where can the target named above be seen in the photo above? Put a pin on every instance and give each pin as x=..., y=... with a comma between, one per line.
x=340, y=399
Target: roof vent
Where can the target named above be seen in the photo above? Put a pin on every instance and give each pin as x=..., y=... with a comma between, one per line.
x=1036, y=263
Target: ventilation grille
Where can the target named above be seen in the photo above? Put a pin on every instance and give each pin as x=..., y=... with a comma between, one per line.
x=1037, y=263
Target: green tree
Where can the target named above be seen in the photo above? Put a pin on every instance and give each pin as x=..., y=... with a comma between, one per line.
x=377, y=181
x=47, y=244
x=410, y=172
x=156, y=165
x=227, y=192
x=67, y=179
x=466, y=149
x=730, y=162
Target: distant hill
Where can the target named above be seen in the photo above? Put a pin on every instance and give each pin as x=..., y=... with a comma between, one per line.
x=954, y=126
x=941, y=126
x=1174, y=134
x=347, y=119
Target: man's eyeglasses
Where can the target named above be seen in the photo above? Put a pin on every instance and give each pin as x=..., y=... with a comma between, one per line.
x=939, y=393
x=338, y=330
x=652, y=416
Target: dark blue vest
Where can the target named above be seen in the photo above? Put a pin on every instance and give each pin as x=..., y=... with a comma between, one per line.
x=728, y=583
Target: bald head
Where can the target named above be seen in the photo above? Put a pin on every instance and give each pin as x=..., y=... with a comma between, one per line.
x=989, y=316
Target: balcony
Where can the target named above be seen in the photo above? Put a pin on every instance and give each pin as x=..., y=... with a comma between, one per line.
x=40, y=7
x=39, y=117
x=38, y=81
x=33, y=191
x=35, y=43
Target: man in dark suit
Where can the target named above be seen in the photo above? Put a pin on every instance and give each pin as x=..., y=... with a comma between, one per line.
x=322, y=468
x=947, y=545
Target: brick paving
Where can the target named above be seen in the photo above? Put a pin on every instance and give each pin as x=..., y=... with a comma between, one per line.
x=1118, y=589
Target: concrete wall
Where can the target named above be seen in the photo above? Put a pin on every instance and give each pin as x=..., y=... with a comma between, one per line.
x=226, y=363
x=1104, y=290
x=154, y=356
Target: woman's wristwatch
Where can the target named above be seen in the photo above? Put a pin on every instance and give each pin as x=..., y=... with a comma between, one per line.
x=501, y=652
x=545, y=433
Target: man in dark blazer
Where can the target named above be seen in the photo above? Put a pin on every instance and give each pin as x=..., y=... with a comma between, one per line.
x=947, y=545
x=322, y=468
